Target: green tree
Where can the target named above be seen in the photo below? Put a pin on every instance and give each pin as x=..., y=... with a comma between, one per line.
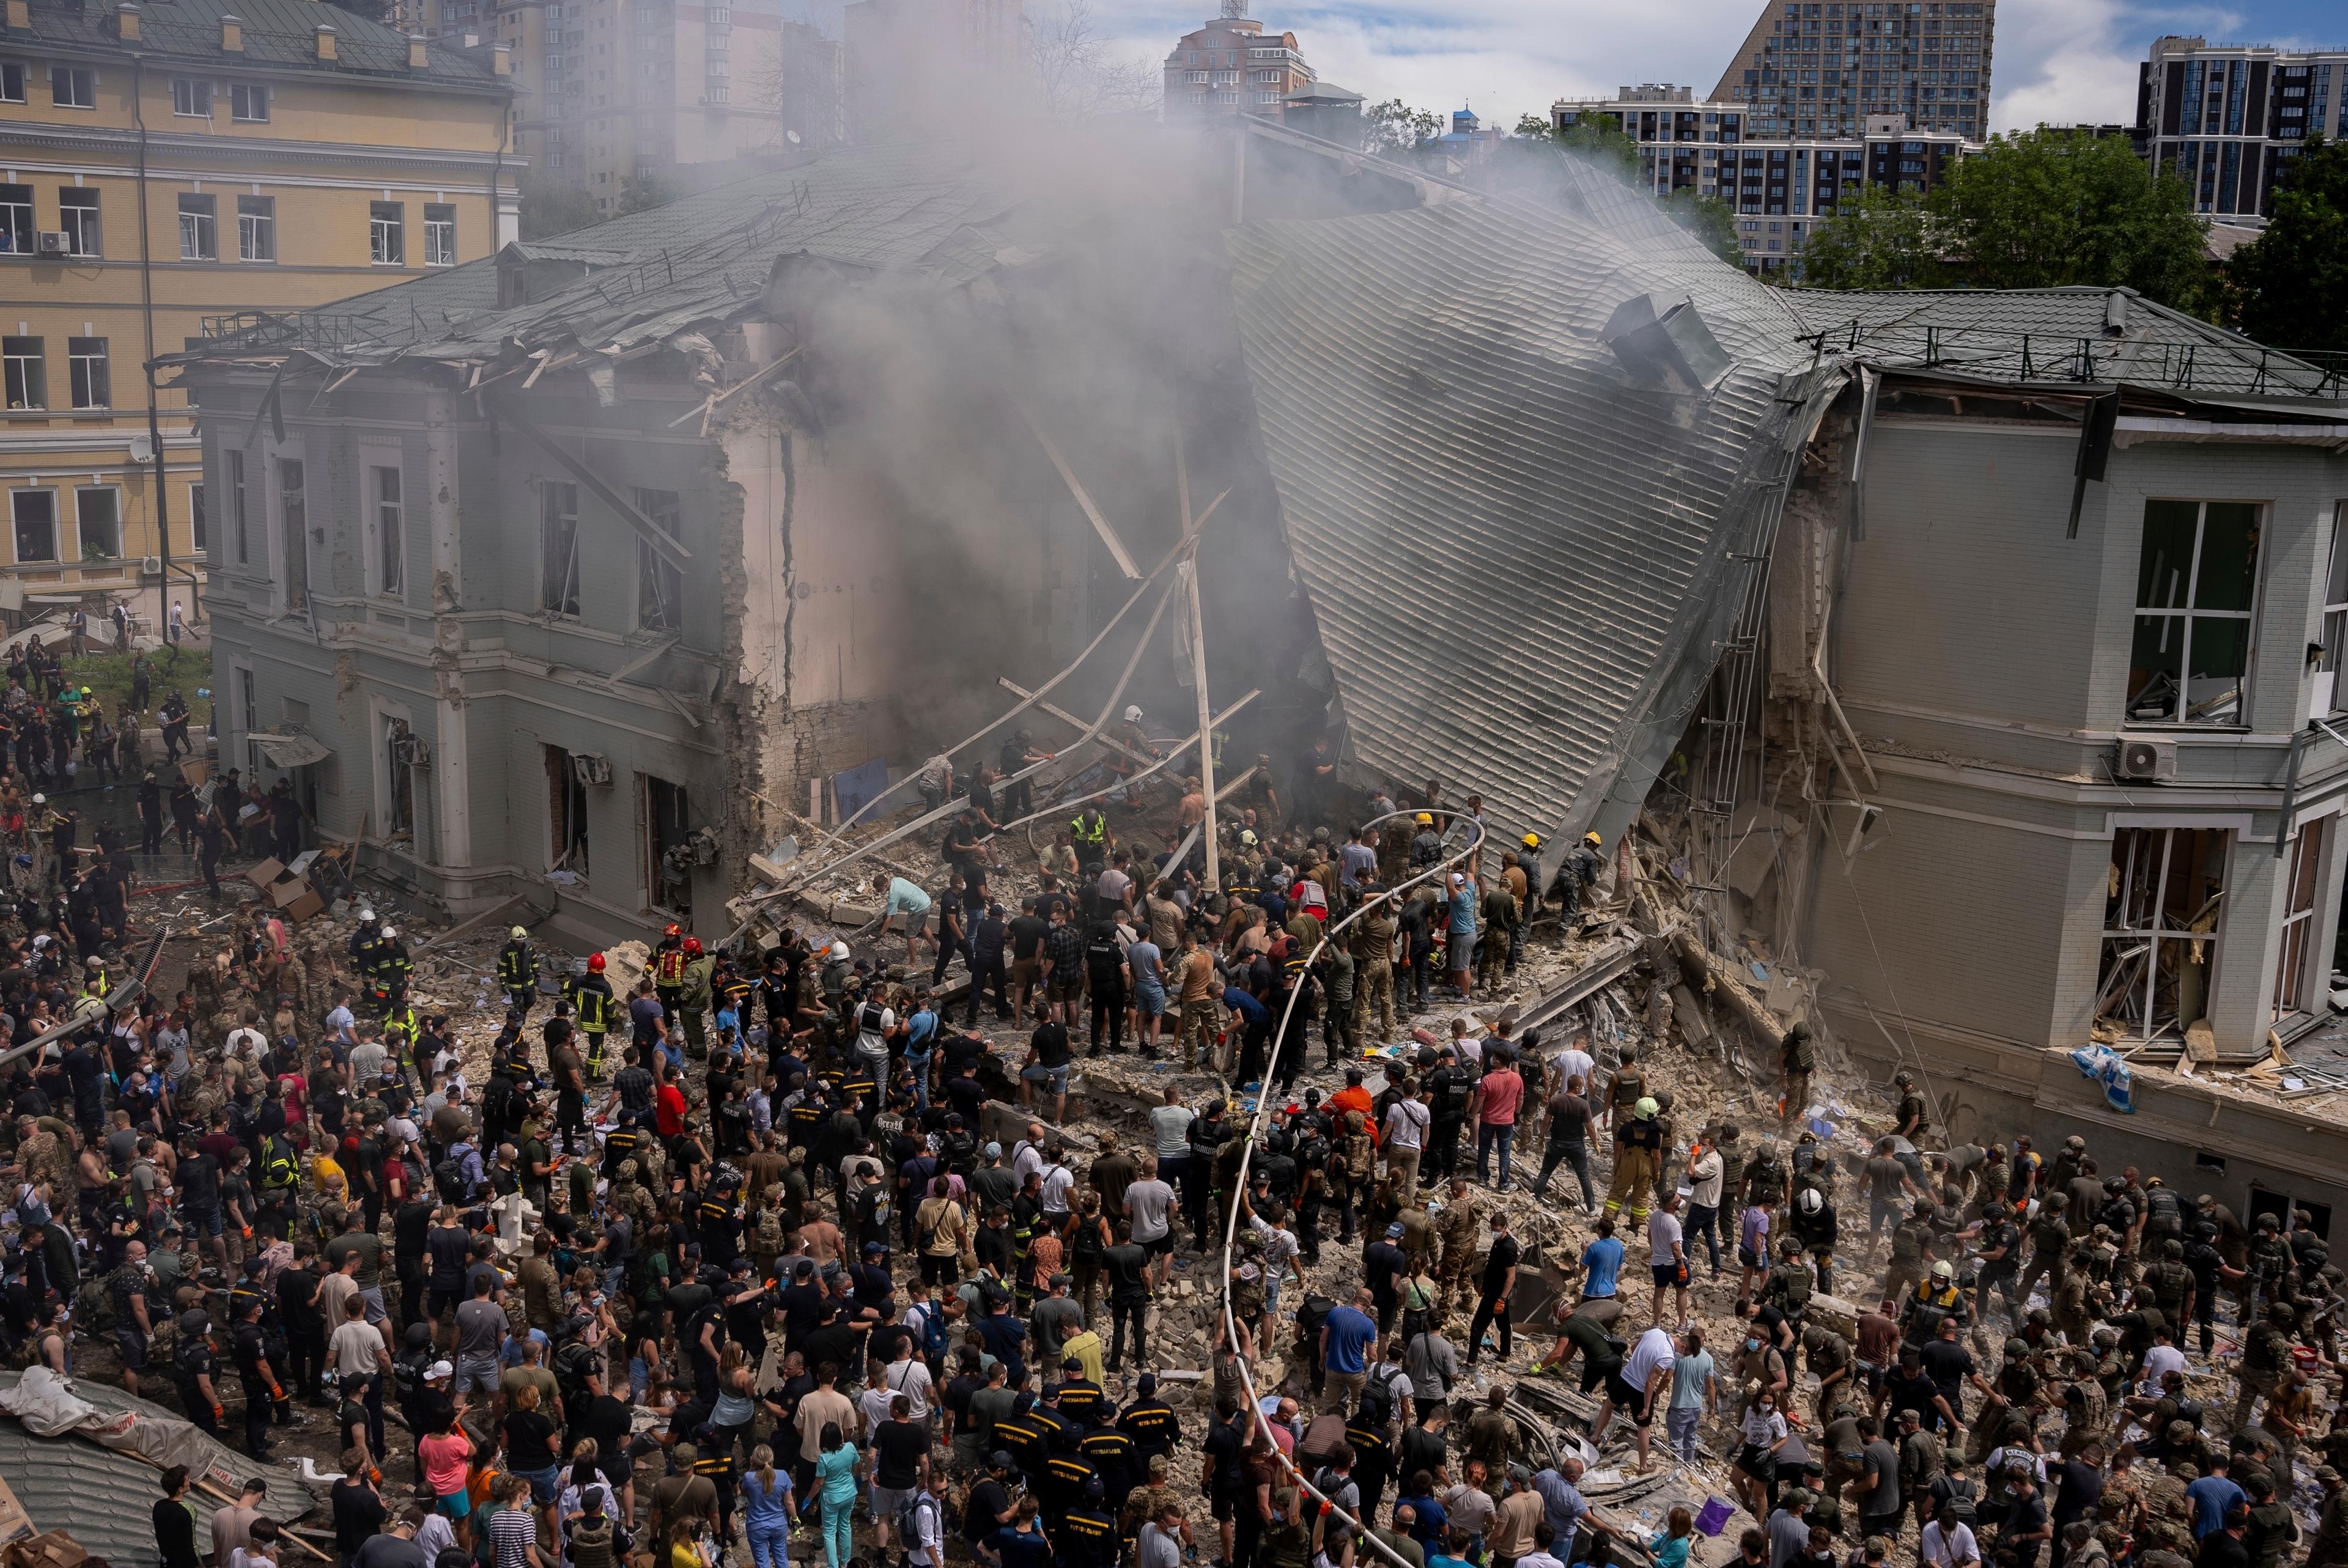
x=1709, y=219
x=1599, y=140
x=1394, y=127
x=550, y=207
x=1532, y=124
x=1876, y=239
x=642, y=192
x=2049, y=208
x=2294, y=278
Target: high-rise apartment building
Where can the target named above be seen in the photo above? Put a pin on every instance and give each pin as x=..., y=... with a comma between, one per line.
x=2228, y=118
x=1231, y=66
x=614, y=89
x=1779, y=188
x=178, y=163
x=1819, y=67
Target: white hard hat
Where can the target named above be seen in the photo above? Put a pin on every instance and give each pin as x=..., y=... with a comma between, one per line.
x=389, y=932
x=40, y=800
x=1133, y=716
x=365, y=914
x=838, y=950
x=519, y=934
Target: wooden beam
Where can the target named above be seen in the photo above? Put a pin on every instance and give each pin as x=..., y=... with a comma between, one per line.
x=1068, y=477
x=652, y=534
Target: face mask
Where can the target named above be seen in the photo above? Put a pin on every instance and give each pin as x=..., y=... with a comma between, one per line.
x=1752, y=1344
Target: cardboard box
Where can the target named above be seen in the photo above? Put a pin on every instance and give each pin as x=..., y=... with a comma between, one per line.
x=54, y=1549
x=264, y=873
x=302, y=904
x=196, y=771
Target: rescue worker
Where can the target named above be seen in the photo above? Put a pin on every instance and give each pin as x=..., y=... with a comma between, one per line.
x=518, y=971
x=693, y=996
x=592, y=1000
x=668, y=971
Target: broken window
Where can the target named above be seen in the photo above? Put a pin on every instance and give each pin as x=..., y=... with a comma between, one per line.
x=557, y=541
x=2162, y=912
x=2335, y=611
x=668, y=854
x=566, y=812
x=294, y=525
x=389, y=530
x=2195, y=582
x=659, y=586
x=2300, y=981
x=399, y=778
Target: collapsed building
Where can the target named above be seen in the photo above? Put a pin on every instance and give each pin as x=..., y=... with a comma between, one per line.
x=1968, y=655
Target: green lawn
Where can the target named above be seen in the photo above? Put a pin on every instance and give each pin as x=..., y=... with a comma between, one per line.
x=186, y=669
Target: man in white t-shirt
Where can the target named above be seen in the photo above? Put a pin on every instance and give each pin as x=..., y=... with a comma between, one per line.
x=1667, y=1256
x=1573, y=1061
x=1149, y=1204
x=1949, y=1546
x=1639, y=1389
x=1405, y=1137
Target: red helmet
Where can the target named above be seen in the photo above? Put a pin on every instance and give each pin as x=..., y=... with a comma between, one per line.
x=671, y=930
x=692, y=945
x=594, y=963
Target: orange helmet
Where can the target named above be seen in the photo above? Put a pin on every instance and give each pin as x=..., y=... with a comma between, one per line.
x=692, y=945
x=671, y=930
x=594, y=963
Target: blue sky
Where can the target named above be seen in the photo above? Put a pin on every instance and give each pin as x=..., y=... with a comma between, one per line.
x=2057, y=60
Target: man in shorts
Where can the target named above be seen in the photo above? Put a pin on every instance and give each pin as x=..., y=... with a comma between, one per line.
x=1064, y=969
x=1646, y=1374
x=1049, y=1055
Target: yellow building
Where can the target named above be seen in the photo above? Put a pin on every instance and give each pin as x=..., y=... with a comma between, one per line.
x=167, y=163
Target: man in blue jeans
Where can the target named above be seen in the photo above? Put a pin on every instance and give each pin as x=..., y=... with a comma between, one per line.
x=1347, y=1335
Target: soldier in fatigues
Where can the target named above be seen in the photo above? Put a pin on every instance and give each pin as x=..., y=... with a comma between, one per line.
x=2329, y=1548
x=2266, y=1351
x=1457, y=1230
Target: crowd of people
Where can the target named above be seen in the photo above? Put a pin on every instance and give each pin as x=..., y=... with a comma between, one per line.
x=733, y=1262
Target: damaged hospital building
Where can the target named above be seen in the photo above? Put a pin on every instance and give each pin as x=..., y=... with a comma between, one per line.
x=1970, y=656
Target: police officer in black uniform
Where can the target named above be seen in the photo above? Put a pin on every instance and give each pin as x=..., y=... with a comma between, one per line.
x=261, y=1390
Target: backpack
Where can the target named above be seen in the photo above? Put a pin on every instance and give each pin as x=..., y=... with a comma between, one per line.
x=1959, y=1507
x=450, y=1178
x=93, y=1303
x=2162, y=1206
x=1087, y=1245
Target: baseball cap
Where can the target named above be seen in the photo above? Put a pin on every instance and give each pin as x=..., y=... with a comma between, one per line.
x=999, y=1460
x=440, y=1369
x=995, y=1151
x=1393, y=1231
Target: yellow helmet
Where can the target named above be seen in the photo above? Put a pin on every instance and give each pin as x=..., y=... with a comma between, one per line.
x=1532, y=841
x=1593, y=838
x=1424, y=819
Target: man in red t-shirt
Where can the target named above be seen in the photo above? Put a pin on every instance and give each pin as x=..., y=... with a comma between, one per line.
x=1497, y=1100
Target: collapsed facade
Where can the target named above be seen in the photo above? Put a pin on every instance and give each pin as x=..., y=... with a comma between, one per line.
x=1960, y=648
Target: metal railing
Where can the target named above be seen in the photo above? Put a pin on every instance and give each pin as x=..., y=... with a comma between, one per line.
x=2187, y=366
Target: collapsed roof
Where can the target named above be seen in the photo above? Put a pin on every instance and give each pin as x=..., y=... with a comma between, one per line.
x=1527, y=457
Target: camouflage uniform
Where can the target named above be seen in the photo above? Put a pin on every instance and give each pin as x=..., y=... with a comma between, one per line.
x=1457, y=1230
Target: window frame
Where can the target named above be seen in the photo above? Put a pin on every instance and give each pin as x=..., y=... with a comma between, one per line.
x=260, y=224
x=2186, y=612
x=558, y=527
x=73, y=75
x=37, y=387
x=243, y=96
x=440, y=233
x=82, y=495
x=387, y=233
x=195, y=90
x=660, y=587
x=234, y=474
x=386, y=523
x=199, y=226
x=89, y=374
x=18, y=226
x=291, y=504
x=2334, y=659
x=16, y=522
x=2302, y=975
x=13, y=84
x=199, y=520
x=2159, y=844
x=87, y=236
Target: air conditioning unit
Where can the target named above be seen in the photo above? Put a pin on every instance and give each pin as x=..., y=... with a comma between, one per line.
x=50, y=244
x=2143, y=760
x=153, y=566
x=594, y=768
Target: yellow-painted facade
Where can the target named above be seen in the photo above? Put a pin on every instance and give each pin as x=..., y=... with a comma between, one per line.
x=294, y=155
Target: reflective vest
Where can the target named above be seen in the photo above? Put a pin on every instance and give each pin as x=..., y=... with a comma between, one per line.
x=668, y=967
x=1095, y=835
x=592, y=998
x=279, y=1170
x=516, y=966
